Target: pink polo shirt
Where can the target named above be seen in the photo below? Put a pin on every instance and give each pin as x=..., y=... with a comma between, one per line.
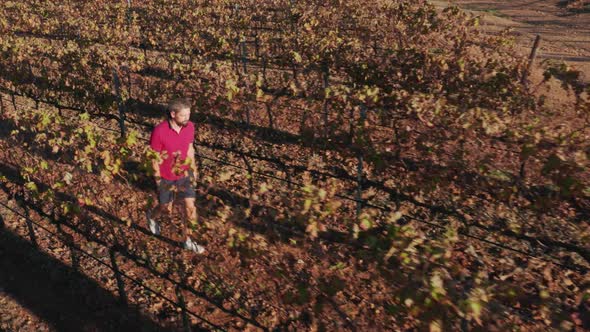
x=173, y=148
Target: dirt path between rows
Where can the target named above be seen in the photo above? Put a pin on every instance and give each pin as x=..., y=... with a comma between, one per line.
x=565, y=33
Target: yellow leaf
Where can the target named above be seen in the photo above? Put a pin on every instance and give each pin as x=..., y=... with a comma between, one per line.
x=435, y=326
x=297, y=57
x=306, y=205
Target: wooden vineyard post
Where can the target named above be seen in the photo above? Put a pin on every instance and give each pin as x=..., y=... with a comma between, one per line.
x=256, y=46
x=532, y=58
x=19, y=198
x=129, y=19
x=264, y=65
x=15, y=108
x=121, y=107
x=244, y=54
x=2, y=109
x=67, y=239
x=31, y=228
x=75, y=259
x=128, y=13
x=359, y=178
x=186, y=323
x=129, y=83
x=352, y=126
x=248, y=117
x=250, y=176
x=326, y=84
x=292, y=19
x=118, y=277
x=13, y=98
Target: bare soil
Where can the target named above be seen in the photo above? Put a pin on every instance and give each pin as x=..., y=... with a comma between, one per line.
x=565, y=33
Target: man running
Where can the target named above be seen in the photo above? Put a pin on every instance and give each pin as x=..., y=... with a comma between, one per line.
x=173, y=139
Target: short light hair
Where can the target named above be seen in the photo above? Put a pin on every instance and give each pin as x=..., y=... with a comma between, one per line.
x=178, y=104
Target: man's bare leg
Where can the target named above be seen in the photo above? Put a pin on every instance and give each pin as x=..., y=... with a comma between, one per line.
x=155, y=214
x=161, y=209
x=191, y=215
x=191, y=218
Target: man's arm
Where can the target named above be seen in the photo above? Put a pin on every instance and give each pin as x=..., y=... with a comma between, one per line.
x=156, y=145
x=156, y=167
x=191, y=157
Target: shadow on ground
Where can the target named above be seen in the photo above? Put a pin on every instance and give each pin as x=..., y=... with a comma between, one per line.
x=61, y=296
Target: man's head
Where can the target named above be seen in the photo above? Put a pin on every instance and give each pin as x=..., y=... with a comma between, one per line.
x=179, y=111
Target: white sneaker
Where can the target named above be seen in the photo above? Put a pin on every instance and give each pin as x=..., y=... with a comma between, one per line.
x=152, y=224
x=193, y=246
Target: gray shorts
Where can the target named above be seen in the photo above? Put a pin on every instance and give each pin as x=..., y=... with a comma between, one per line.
x=169, y=190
